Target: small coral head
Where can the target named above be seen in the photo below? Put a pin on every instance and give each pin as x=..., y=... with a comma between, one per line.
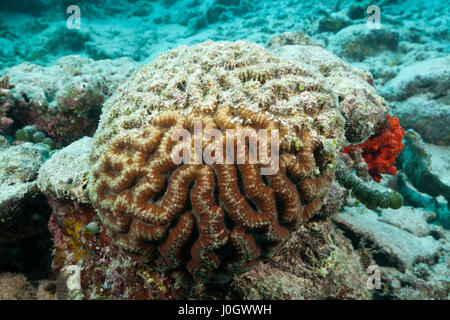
x=381, y=149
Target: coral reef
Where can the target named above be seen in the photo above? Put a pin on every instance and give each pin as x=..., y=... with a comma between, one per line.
x=381, y=149
x=149, y=206
x=106, y=271
x=317, y=257
x=319, y=102
x=15, y=287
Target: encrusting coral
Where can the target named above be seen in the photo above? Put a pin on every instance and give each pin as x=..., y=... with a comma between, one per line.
x=219, y=218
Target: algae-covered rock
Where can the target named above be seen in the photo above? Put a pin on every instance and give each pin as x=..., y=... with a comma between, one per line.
x=396, y=247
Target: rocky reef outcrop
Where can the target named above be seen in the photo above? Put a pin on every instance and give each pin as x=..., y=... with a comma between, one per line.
x=63, y=100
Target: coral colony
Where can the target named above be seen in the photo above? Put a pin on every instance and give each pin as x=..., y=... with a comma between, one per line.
x=230, y=219
x=229, y=158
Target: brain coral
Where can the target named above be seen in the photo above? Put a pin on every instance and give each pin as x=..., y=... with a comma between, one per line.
x=221, y=218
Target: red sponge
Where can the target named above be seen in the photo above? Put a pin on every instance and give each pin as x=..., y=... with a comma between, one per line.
x=380, y=150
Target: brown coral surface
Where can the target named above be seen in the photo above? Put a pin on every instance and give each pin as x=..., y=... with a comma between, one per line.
x=217, y=218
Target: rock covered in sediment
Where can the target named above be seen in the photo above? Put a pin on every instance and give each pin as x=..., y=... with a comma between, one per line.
x=363, y=108
x=420, y=97
x=396, y=247
x=65, y=175
x=357, y=42
x=413, y=220
x=64, y=99
x=427, y=116
x=23, y=209
x=429, y=76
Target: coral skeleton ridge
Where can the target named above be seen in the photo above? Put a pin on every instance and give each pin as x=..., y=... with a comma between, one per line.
x=221, y=218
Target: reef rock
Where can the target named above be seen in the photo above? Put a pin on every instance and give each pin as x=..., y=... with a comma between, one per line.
x=357, y=42
x=5, y=104
x=396, y=247
x=23, y=209
x=429, y=76
x=64, y=100
x=65, y=175
x=414, y=220
x=420, y=96
x=420, y=283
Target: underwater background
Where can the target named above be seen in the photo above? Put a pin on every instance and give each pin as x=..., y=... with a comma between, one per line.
x=387, y=210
